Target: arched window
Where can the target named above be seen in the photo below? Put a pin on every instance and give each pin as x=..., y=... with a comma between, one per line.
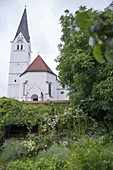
x=17, y=47
x=34, y=97
x=42, y=96
x=49, y=88
x=21, y=47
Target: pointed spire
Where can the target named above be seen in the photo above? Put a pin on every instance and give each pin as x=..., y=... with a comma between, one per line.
x=23, y=27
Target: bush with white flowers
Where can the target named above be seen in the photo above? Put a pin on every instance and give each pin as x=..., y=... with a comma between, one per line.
x=29, y=145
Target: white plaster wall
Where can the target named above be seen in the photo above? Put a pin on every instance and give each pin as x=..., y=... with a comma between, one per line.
x=18, y=67
x=37, y=83
x=12, y=78
x=20, y=55
x=51, y=78
x=13, y=91
x=61, y=96
x=19, y=61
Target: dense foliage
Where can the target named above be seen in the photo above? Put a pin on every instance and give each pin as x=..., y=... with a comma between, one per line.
x=62, y=141
x=84, y=153
x=100, y=33
x=13, y=112
x=90, y=154
x=90, y=83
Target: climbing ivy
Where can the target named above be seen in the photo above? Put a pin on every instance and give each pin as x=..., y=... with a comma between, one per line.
x=13, y=112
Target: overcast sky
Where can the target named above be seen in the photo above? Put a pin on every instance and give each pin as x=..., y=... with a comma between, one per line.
x=44, y=28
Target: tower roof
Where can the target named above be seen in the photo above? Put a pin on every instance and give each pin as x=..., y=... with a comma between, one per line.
x=38, y=65
x=23, y=27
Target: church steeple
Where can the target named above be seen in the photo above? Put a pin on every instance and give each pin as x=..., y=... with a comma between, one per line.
x=23, y=27
x=20, y=57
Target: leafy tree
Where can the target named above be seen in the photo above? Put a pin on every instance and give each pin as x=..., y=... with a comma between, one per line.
x=90, y=83
x=100, y=33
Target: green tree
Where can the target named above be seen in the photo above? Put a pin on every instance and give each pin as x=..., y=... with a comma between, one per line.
x=90, y=83
x=100, y=33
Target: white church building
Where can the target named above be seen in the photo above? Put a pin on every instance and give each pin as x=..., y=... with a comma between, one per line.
x=31, y=81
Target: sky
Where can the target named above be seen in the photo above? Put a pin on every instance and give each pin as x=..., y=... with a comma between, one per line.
x=44, y=28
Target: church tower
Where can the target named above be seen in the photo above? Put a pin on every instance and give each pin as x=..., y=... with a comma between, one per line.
x=20, y=57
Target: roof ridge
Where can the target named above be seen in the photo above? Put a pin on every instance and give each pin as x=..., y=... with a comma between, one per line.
x=38, y=65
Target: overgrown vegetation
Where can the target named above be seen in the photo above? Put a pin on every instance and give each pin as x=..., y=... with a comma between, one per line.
x=62, y=141
x=13, y=112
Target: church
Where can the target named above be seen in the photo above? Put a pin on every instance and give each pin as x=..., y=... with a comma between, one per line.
x=31, y=81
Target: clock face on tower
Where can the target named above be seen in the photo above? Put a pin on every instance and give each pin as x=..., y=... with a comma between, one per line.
x=20, y=40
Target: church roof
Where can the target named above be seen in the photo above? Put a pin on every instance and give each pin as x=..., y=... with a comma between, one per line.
x=38, y=65
x=23, y=27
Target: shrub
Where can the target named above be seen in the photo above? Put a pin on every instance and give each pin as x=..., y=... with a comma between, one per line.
x=90, y=154
x=49, y=163
x=60, y=150
x=12, y=150
x=30, y=146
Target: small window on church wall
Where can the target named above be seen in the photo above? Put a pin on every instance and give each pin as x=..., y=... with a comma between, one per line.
x=42, y=96
x=49, y=89
x=17, y=47
x=62, y=92
x=21, y=47
x=23, y=89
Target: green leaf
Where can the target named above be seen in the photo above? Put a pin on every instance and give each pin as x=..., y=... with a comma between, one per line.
x=109, y=55
x=97, y=53
x=83, y=20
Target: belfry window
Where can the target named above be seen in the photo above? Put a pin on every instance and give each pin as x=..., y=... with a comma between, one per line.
x=21, y=47
x=17, y=47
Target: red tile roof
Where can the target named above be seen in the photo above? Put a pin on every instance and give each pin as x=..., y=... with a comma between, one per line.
x=47, y=101
x=38, y=65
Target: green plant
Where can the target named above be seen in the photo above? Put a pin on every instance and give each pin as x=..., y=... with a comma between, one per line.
x=12, y=150
x=42, y=140
x=100, y=32
x=90, y=83
x=60, y=150
x=89, y=153
x=49, y=163
x=30, y=146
